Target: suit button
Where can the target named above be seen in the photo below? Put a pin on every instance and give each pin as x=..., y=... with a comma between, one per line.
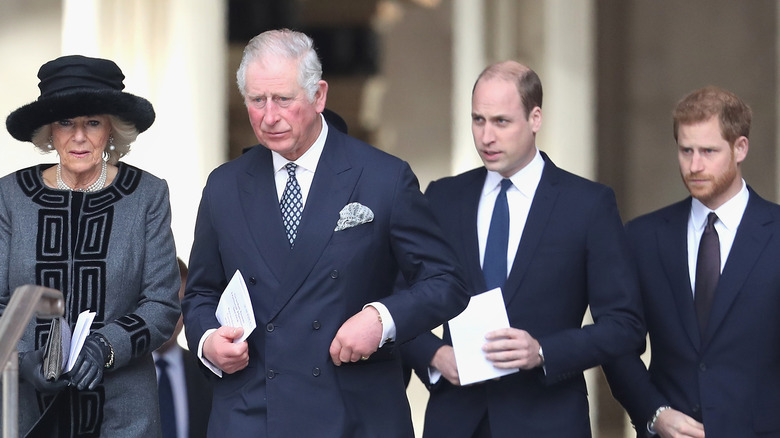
x=315, y=372
x=702, y=367
x=270, y=374
x=334, y=274
x=252, y=280
x=269, y=327
x=315, y=325
x=696, y=408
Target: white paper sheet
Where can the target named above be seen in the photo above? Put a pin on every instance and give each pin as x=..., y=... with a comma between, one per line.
x=80, y=333
x=486, y=312
x=235, y=307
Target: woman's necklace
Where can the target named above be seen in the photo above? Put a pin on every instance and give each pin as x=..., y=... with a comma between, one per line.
x=95, y=186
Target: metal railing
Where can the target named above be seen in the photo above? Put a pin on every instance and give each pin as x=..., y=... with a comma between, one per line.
x=25, y=301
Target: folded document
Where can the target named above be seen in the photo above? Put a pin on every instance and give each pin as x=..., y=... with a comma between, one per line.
x=63, y=346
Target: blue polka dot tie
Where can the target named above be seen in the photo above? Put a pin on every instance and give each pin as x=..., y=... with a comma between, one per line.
x=292, y=204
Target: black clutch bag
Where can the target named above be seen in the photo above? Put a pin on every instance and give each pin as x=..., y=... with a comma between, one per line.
x=55, y=354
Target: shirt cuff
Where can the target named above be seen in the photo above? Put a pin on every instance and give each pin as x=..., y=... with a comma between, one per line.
x=388, y=325
x=214, y=369
x=433, y=375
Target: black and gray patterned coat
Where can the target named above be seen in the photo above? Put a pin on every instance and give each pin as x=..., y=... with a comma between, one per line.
x=112, y=252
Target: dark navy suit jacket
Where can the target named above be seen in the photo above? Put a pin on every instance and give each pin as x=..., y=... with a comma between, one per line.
x=728, y=377
x=572, y=254
x=291, y=388
x=199, y=394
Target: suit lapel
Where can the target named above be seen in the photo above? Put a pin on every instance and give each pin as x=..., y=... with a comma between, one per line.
x=672, y=247
x=750, y=241
x=538, y=218
x=334, y=181
x=259, y=201
x=472, y=191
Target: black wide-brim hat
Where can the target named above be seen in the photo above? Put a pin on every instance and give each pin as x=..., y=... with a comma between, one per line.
x=74, y=86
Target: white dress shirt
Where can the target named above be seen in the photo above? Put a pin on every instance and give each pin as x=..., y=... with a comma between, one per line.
x=729, y=217
x=519, y=197
x=307, y=165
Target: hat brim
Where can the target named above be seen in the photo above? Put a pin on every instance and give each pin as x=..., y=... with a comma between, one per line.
x=23, y=122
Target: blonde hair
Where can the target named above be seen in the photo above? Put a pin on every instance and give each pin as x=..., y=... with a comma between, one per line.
x=123, y=134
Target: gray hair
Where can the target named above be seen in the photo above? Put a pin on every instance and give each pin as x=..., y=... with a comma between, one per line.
x=123, y=133
x=286, y=44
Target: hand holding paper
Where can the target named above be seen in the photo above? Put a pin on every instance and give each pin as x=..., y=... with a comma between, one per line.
x=235, y=307
x=512, y=348
x=486, y=312
x=223, y=352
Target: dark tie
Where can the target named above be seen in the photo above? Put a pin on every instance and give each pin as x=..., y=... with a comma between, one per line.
x=165, y=391
x=494, y=265
x=291, y=205
x=707, y=272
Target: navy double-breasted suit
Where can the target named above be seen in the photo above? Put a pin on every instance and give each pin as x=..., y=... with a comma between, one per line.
x=302, y=296
x=728, y=377
x=572, y=254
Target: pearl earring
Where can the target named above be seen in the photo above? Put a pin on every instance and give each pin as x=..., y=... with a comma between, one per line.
x=111, y=146
x=49, y=146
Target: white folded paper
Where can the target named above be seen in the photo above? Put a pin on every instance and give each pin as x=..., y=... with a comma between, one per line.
x=235, y=307
x=79, y=335
x=486, y=312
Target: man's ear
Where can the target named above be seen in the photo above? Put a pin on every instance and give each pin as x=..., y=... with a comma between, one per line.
x=535, y=119
x=741, y=146
x=321, y=96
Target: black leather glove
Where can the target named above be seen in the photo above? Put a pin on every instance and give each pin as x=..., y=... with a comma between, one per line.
x=87, y=372
x=31, y=370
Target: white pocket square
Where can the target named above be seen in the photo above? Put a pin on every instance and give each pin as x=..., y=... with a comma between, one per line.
x=352, y=215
